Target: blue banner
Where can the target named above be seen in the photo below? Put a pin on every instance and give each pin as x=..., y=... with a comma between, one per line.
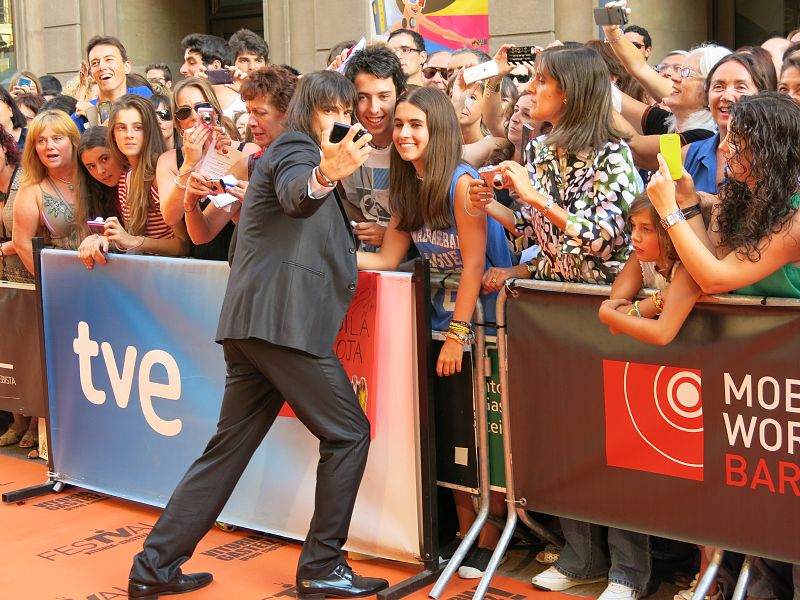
x=136, y=381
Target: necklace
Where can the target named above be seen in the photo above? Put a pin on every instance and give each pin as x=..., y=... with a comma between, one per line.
x=376, y=147
x=68, y=183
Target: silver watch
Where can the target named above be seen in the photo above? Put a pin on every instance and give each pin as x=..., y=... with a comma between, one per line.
x=672, y=218
x=547, y=206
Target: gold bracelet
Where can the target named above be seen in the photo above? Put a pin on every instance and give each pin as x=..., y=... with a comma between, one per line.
x=495, y=89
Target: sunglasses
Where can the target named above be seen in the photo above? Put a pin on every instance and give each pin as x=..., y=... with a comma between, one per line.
x=430, y=72
x=164, y=114
x=420, y=2
x=184, y=112
x=638, y=45
x=521, y=78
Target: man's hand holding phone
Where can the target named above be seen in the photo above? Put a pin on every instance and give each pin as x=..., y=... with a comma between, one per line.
x=342, y=159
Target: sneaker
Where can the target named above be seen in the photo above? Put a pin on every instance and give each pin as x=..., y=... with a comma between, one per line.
x=447, y=550
x=689, y=594
x=617, y=591
x=549, y=555
x=476, y=562
x=552, y=580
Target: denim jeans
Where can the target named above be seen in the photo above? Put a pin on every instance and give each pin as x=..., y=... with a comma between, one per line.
x=774, y=579
x=591, y=551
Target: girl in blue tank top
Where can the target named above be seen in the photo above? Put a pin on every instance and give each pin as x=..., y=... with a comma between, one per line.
x=428, y=194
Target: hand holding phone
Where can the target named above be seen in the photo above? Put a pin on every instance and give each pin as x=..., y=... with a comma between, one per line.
x=521, y=54
x=340, y=130
x=97, y=225
x=219, y=76
x=610, y=15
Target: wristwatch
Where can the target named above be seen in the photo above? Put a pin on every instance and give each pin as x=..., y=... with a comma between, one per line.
x=547, y=206
x=531, y=268
x=672, y=218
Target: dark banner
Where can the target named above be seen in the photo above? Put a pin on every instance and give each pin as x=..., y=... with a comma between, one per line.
x=21, y=377
x=698, y=440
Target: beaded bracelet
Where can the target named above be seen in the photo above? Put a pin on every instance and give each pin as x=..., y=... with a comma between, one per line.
x=616, y=39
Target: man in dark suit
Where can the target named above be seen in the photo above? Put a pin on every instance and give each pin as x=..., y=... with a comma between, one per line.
x=293, y=274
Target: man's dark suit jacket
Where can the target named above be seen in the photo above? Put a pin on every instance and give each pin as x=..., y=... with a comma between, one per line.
x=293, y=272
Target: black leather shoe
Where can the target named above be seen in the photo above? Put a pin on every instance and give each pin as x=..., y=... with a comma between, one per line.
x=179, y=585
x=341, y=583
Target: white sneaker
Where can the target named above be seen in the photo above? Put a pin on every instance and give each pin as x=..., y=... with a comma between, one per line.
x=617, y=591
x=552, y=580
x=689, y=594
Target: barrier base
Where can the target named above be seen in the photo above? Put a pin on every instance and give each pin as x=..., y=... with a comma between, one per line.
x=33, y=491
x=412, y=584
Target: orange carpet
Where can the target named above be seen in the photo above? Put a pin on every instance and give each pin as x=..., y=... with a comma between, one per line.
x=78, y=545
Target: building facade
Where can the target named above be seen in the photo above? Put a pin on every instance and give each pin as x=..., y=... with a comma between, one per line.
x=44, y=36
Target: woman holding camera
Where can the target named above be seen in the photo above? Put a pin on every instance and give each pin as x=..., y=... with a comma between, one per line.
x=199, y=121
x=577, y=182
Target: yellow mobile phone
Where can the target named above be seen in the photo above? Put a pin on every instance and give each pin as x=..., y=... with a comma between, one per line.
x=670, y=146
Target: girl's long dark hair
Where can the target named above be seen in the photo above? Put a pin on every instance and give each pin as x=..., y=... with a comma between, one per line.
x=766, y=128
x=427, y=202
x=99, y=200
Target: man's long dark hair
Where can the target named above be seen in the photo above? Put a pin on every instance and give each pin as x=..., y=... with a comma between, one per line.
x=765, y=128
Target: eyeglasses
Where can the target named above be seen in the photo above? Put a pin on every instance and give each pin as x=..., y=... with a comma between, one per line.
x=639, y=45
x=668, y=68
x=405, y=50
x=430, y=72
x=184, y=112
x=521, y=78
x=164, y=114
x=687, y=72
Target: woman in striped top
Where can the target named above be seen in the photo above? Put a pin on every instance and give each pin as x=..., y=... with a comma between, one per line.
x=135, y=139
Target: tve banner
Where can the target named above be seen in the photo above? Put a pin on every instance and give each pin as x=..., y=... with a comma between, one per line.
x=136, y=381
x=698, y=440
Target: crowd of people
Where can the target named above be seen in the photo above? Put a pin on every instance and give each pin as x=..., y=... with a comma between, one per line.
x=548, y=170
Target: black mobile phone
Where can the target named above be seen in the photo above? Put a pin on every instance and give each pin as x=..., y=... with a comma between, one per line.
x=521, y=54
x=219, y=76
x=611, y=15
x=340, y=130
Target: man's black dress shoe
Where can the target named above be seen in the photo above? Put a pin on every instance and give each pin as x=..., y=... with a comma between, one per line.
x=341, y=583
x=181, y=584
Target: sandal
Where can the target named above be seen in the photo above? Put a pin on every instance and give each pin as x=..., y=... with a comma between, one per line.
x=10, y=437
x=29, y=440
x=33, y=454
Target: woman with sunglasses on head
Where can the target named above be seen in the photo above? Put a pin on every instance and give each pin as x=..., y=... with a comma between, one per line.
x=134, y=139
x=174, y=166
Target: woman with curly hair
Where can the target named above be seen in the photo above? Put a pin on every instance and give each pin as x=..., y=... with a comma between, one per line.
x=756, y=225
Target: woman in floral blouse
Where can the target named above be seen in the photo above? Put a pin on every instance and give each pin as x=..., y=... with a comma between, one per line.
x=577, y=183
x=577, y=186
